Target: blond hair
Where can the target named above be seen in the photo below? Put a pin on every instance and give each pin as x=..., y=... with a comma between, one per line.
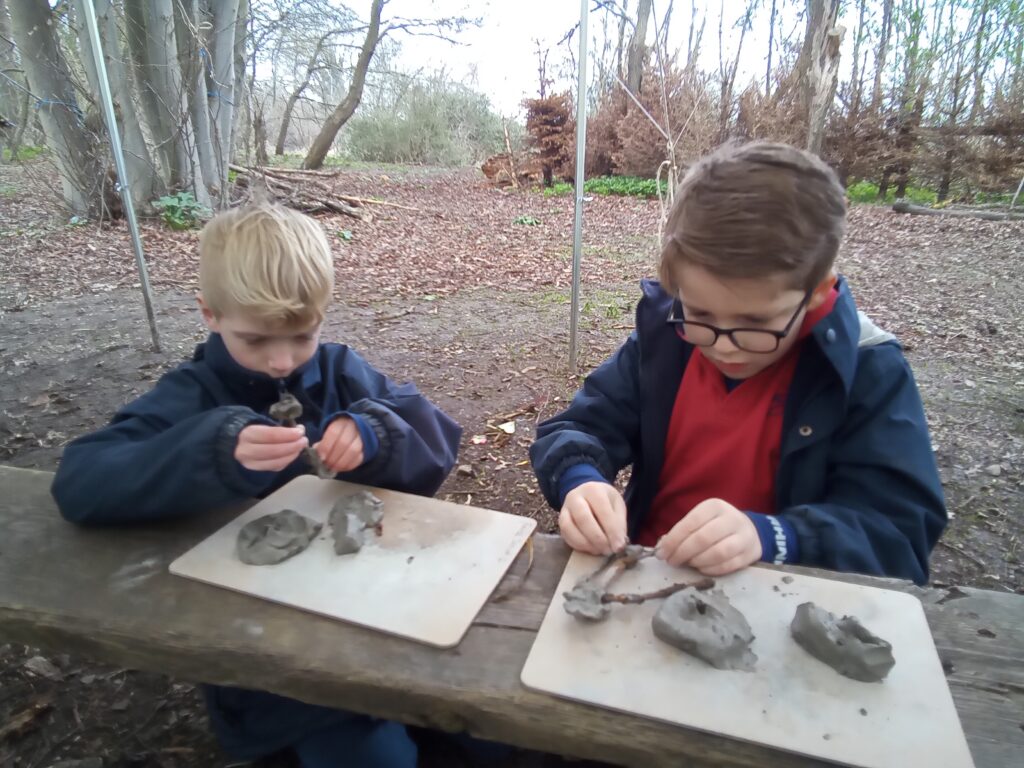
x=756, y=210
x=266, y=260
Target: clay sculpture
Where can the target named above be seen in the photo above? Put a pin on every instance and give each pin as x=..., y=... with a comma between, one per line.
x=351, y=517
x=586, y=599
x=287, y=410
x=275, y=537
x=708, y=626
x=844, y=644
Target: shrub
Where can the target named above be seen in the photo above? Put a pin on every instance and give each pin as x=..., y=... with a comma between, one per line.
x=181, y=210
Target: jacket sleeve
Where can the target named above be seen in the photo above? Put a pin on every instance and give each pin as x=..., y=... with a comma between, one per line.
x=884, y=509
x=601, y=426
x=417, y=442
x=169, y=453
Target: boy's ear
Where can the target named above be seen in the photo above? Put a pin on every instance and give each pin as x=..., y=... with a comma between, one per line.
x=208, y=316
x=821, y=291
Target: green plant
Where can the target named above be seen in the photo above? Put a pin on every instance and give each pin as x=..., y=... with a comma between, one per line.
x=526, y=220
x=867, y=192
x=558, y=188
x=25, y=153
x=345, y=234
x=181, y=210
x=626, y=186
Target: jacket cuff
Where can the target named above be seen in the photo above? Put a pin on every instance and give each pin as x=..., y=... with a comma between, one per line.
x=575, y=476
x=779, y=542
x=246, y=481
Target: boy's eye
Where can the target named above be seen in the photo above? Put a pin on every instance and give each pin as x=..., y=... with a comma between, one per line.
x=255, y=342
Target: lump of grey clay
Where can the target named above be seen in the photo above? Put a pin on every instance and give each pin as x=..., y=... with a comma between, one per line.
x=275, y=537
x=844, y=644
x=351, y=516
x=363, y=505
x=349, y=533
x=584, y=602
x=706, y=625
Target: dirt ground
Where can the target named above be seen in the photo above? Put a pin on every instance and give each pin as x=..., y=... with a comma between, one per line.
x=472, y=306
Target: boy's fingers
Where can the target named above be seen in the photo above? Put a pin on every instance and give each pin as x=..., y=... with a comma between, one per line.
x=729, y=566
x=699, y=541
x=572, y=534
x=724, y=550
x=685, y=528
x=271, y=451
x=351, y=458
x=262, y=433
x=586, y=521
x=341, y=446
x=610, y=511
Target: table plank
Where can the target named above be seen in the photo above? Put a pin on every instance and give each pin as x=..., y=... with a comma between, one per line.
x=106, y=593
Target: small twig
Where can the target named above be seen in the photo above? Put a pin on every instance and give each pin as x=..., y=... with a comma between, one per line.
x=702, y=585
x=521, y=579
x=962, y=553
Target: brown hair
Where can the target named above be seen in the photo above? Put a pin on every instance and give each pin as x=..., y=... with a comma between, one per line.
x=268, y=261
x=754, y=210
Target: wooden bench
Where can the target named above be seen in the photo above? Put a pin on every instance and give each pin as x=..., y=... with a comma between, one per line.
x=107, y=594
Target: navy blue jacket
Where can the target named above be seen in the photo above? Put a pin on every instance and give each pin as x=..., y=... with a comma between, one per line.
x=171, y=452
x=856, y=482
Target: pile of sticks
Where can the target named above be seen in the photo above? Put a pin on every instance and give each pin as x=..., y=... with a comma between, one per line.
x=309, y=191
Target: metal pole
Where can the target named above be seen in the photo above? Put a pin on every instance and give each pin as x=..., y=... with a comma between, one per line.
x=581, y=153
x=122, y=174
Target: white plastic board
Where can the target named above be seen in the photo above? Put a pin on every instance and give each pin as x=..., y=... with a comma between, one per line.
x=791, y=701
x=425, y=578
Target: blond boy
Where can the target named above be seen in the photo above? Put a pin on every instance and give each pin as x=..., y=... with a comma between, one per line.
x=202, y=438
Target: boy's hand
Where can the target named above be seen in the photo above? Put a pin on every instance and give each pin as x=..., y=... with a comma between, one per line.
x=341, y=448
x=263, y=448
x=593, y=519
x=715, y=538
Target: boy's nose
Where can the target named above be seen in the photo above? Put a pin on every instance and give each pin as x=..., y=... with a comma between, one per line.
x=280, y=361
x=724, y=344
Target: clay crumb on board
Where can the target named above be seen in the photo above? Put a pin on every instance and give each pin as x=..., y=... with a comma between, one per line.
x=708, y=626
x=844, y=644
x=275, y=537
x=350, y=518
x=787, y=579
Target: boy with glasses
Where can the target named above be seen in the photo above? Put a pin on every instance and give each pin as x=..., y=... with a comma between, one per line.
x=763, y=416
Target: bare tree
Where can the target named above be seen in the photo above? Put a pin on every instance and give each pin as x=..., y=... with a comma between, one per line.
x=819, y=66
x=376, y=31
x=49, y=79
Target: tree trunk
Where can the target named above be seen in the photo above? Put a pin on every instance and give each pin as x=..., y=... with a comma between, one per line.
x=825, y=38
x=241, y=112
x=194, y=59
x=143, y=180
x=771, y=43
x=49, y=79
x=259, y=130
x=286, y=118
x=222, y=98
x=637, y=47
x=154, y=52
x=341, y=114
x=881, y=54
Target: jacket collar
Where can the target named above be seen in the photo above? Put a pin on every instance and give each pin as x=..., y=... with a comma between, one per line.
x=216, y=355
x=837, y=335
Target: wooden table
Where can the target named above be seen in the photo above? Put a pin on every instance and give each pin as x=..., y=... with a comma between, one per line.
x=107, y=594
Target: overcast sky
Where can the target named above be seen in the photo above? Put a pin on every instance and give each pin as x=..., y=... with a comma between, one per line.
x=501, y=52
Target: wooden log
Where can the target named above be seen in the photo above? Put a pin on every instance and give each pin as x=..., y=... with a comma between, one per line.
x=902, y=206
x=112, y=599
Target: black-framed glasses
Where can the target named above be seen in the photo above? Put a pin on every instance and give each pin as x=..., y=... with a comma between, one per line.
x=757, y=340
